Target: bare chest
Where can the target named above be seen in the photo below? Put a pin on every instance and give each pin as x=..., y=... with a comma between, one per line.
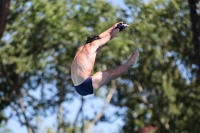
x=82, y=66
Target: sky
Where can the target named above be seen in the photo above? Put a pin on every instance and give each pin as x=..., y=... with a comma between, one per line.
x=97, y=104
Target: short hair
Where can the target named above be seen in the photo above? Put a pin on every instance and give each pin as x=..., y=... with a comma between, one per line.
x=92, y=38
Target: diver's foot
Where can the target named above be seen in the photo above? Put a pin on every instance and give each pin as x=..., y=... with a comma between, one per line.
x=133, y=59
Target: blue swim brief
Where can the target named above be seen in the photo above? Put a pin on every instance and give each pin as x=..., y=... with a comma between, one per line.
x=85, y=88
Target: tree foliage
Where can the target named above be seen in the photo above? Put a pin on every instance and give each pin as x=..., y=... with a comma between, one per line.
x=41, y=39
x=163, y=90
x=38, y=47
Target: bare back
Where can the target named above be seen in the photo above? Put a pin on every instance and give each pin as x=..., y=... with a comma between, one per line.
x=83, y=64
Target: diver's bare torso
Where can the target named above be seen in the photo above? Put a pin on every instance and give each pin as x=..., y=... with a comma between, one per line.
x=83, y=64
x=84, y=60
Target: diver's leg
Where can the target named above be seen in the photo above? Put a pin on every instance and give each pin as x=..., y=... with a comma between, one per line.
x=101, y=78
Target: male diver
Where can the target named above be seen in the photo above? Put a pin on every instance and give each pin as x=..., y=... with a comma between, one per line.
x=84, y=60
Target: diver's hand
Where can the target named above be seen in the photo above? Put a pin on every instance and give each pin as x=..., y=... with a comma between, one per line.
x=115, y=25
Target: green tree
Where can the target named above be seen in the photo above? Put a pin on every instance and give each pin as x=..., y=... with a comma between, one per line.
x=194, y=7
x=37, y=49
x=163, y=90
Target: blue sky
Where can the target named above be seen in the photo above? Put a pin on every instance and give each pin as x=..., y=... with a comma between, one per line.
x=97, y=104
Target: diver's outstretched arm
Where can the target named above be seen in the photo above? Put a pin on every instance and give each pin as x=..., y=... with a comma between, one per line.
x=109, y=34
x=111, y=30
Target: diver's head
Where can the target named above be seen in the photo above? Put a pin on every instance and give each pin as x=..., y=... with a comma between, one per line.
x=92, y=38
